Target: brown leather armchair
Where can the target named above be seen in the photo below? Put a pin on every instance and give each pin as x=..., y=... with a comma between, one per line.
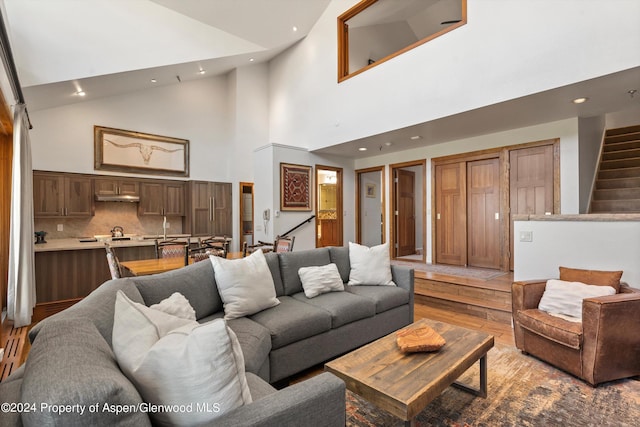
x=604, y=347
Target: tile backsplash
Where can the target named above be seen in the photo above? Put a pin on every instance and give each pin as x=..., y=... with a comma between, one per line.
x=108, y=215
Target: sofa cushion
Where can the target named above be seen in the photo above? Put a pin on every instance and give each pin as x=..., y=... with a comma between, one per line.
x=71, y=363
x=175, y=361
x=97, y=307
x=196, y=282
x=292, y=321
x=370, y=266
x=344, y=307
x=592, y=277
x=385, y=297
x=291, y=262
x=551, y=327
x=318, y=280
x=565, y=298
x=176, y=305
x=259, y=387
x=273, y=261
x=245, y=285
x=339, y=255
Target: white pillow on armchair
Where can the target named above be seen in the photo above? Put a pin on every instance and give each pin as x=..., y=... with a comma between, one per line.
x=564, y=299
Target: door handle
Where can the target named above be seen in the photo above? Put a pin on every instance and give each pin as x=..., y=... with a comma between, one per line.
x=213, y=209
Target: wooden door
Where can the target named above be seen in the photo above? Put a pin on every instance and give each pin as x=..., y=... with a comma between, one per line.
x=530, y=184
x=48, y=195
x=483, y=213
x=406, y=211
x=174, y=199
x=451, y=223
x=201, y=208
x=78, y=196
x=222, y=218
x=151, y=198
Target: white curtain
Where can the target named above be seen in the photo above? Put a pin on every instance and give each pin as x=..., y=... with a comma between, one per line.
x=21, y=295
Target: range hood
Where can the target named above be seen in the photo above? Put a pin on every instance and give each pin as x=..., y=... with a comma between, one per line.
x=117, y=198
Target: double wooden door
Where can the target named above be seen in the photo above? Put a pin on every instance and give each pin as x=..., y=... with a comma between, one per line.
x=472, y=196
x=468, y=213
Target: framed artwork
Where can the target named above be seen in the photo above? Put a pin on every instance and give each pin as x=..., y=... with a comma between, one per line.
x=295, y=187
x=136, y=152
x=370, y=190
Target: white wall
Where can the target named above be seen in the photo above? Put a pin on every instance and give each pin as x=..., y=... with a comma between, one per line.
x=62, y=138
x=580, y=244
x=591, y=132
x=471, y=67
x=267, y=182
x=565, y=130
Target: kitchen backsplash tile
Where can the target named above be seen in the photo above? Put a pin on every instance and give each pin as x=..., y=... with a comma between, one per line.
x=108, y=215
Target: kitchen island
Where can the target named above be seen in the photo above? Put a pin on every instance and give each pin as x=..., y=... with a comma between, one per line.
x=67, y=270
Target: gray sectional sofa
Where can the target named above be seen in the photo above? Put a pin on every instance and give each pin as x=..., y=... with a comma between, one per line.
x=71, y=360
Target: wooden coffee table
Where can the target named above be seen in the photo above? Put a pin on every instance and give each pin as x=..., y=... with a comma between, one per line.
x=405, y=383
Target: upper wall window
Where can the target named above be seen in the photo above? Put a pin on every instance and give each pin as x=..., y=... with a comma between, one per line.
x=374, y=31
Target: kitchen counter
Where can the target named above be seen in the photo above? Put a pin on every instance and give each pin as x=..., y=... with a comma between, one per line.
x=74, y=244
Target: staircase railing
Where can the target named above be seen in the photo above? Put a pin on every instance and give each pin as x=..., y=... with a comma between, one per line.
x=298, y=226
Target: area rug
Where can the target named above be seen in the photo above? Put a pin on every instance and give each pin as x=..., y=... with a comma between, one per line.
x=452, y=270
x=522, y=391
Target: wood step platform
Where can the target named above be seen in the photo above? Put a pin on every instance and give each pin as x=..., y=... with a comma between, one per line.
x=486, y=299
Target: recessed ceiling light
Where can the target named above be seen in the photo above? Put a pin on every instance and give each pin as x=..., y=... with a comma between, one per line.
x=202, y=71
x=388, y=144
x=154, y=81
x=362, y=149
x=81, y=93
x=580, y=100
x=251, y=59
x=415, y=137
x=295, y=28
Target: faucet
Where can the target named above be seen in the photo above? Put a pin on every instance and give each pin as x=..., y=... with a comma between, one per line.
x=164, y=228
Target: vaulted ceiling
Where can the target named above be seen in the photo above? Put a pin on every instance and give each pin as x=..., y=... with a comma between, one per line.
x=107, y=47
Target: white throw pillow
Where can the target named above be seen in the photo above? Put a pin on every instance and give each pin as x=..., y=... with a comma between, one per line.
x=320, y=279
x=176, y=305
x=195, y=369
x=565, y=298
x=245, y=285
x=370, y=266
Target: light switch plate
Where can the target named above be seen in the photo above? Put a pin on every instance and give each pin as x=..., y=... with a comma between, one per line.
x=60, y=227
x=526, y=236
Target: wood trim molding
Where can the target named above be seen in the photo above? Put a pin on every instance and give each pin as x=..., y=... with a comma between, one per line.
x=392, y=207
x=343, y=39
x=6, y=160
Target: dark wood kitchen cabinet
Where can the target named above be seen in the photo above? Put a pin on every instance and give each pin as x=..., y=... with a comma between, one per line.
x=106, y=186
x=162, y=198
x=210, y=209
x=62, y=195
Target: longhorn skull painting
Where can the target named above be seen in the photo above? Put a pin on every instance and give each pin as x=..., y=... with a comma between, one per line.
x=128, y=151
x=145, y=150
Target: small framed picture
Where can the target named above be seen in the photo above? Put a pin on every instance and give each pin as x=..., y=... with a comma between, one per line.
x=295, y=187
x=370, y=190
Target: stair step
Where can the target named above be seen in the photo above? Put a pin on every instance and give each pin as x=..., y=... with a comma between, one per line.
x=463, y=307
x=621, y=154
x=618, y=146
x=623, y=131
x=619, y=173
x=630, y=162
x=603, y=184
x=615, y=206
x=617, y=194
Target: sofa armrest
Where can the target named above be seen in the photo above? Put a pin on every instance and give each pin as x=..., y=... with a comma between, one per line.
x=626, y=289
x=404, y=278
x=611, y=337
x=318, y=401
x=525, y=295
